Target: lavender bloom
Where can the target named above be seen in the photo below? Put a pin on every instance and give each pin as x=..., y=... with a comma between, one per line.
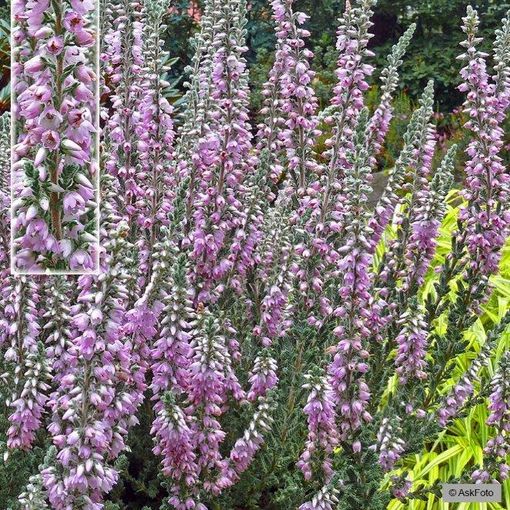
x=193, y=375
x=249, y=233
x=197, y=99
x=247, y=446
x=211, y=378
x=263, y=376
x=156, y=175
x=276, y=267
x=30, y=381
x=350, y=354
x=55, y=171
x=486, y=221
x=389, y=444
x=427, y=213
x=298, y=103
x=176, y=443
x=140, y=131
x=408, y=256
x=29, y=404
x=322, y=432
x=269, y=143
x=222, y=157
x=101, y=389
x=171, y=352
x=499, y=401
x=325, y=197
x=352, y=39
x=502, y=76
x=325, y=499
x=497, y=449
x=400, y=487
x=57, y=325
x=459, y=395
x=174, y=438
x=411, y=344
x=5, y=200
x=414, y=147
x=123, y=61
x=6, y=279
x=211, y=381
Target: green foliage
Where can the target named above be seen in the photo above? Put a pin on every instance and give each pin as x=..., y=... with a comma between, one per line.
x=16, y=469
x=433, y=48
x=139, y=482
x=258, y=75
x=181, y=26
x=5, y=57
x=435, y=43
x=458, y=450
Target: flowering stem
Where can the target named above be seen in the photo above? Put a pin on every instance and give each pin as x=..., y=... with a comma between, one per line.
x=55, y=213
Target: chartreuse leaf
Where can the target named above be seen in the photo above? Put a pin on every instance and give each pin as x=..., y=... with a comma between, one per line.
x=502, y=285
x=461, y=462
x=442, y=457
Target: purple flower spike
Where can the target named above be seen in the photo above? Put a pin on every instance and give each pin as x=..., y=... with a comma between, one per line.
x=56, y=77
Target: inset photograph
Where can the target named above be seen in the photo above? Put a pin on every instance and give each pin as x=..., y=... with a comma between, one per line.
x=55, y=137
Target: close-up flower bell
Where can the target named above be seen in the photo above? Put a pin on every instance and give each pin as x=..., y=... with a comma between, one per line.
x=55, y=123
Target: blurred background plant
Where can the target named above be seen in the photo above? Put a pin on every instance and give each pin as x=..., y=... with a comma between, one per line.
x=5, y=56
x=431, y=52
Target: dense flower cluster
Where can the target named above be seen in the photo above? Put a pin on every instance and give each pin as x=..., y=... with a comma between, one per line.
x=496, y=450
x=223, y=158
x=297, y=101
x=55, y=171
x=486, y=220
x=456, y=398
x=390, y=444
x=485, y=124
x=4, y=195
x=412, y=344
x=249, y=291
x=322, y=436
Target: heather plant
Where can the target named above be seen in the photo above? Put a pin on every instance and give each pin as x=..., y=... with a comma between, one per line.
x=5, y=47
x=55, y=162
x=284, y=342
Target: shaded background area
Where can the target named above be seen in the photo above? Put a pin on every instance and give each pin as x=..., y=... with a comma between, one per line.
x=431, y=54
x=5, y=56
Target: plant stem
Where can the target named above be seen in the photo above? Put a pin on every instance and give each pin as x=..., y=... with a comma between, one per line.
x=55, y=215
